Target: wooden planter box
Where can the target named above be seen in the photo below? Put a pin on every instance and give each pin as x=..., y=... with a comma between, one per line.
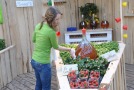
x=114, y=79
x=7, y=65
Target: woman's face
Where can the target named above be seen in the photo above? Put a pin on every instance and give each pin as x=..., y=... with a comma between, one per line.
x=56, y=21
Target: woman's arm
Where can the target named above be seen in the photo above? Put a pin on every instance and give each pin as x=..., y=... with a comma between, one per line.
x=61, y=48
x=71, y=50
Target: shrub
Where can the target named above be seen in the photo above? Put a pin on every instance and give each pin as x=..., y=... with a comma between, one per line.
x=2, y=44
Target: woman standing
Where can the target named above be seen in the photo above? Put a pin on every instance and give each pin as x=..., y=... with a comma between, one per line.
x=44, y=38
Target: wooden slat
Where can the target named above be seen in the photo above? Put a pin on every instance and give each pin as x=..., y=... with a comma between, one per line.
x=3, y=70
x=29, y=34
x=8, y=67
x=13, y=61
x=1, y=77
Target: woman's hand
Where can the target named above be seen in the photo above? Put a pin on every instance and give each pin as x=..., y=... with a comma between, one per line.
x=72, y=52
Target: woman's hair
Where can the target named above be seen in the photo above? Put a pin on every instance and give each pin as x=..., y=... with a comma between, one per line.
x=50, y=15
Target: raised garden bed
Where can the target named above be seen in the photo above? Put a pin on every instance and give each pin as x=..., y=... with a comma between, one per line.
x=113, y=78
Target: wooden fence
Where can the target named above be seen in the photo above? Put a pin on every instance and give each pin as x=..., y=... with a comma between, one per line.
x=8, y=65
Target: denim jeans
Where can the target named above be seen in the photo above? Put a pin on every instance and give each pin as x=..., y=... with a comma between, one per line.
x=42, y=74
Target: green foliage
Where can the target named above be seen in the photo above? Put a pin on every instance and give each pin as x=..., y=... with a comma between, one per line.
x=88, y=10
x=106, y=47
x=1, y=17
x=100, y=64
x=2, y=44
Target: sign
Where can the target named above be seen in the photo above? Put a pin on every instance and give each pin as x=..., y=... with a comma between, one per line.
x=110, y=56
x=26, y=3
x=68, y=68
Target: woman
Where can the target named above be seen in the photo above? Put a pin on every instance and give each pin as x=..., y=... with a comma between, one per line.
x=44, y=39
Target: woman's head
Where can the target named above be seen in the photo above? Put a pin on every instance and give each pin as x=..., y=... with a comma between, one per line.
x=53, y=16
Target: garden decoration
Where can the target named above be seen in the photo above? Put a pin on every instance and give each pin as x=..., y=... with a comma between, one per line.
x=124, y=4
x=118, y=19
x=125, y=27
x=58, y=33
x=125, y=36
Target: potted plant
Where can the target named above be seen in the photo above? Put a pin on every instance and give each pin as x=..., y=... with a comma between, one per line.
x=90, y=11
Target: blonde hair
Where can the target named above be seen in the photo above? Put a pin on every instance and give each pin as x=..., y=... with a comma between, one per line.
x=50, y=15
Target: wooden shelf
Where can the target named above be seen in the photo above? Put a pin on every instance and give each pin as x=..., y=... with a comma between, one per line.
x=97, y=35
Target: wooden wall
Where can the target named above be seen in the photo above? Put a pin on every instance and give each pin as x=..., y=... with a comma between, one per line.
x=19, y=24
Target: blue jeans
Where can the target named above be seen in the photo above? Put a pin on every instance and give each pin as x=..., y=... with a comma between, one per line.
x=42, y=74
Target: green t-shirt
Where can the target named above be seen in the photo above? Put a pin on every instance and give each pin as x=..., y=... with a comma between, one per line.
x=43, y=40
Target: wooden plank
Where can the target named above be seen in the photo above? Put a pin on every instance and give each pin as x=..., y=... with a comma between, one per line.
x=37, y=11
x=63, y=26
x=29, y=34
x=8, y=69
x=12, y=54
x=3, y=69
x=5, y=25
x=23, y=36
x=1, y=32
x=6, y=49
x=1, y=77
x=27, y=48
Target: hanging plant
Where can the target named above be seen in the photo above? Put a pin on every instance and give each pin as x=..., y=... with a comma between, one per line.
x=88, y=10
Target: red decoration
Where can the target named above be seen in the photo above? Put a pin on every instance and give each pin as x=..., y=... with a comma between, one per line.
x=84, y=31
x=117, y=20
x=58, y=33
x=125, y=27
